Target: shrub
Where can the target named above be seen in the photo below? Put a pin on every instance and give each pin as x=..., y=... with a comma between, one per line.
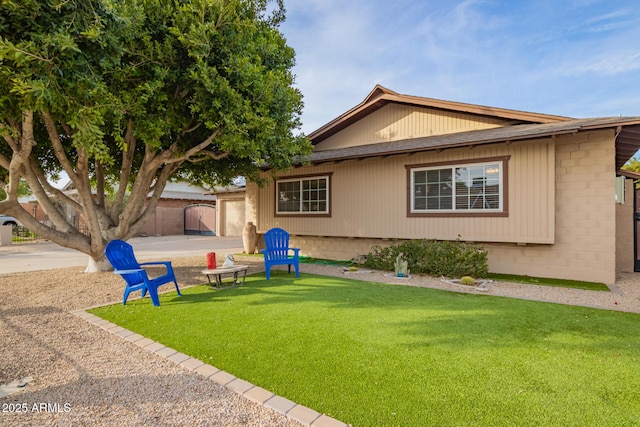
x=434, y=257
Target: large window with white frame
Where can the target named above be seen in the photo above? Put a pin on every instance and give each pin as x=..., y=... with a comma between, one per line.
x=463, y=188
x=303, y=195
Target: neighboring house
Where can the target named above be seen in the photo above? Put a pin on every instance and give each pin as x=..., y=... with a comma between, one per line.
x=538, y=191
x=181, y=209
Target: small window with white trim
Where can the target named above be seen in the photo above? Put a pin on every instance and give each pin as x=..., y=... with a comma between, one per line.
x=304, y=196
x=457, y=188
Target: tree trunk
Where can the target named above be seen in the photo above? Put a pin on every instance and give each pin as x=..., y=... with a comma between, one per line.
x=97, y=265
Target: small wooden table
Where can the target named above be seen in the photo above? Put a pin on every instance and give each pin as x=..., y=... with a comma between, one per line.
x=218, y=272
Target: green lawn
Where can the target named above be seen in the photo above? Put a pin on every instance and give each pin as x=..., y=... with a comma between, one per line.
x=544, y=281
x=372, y=354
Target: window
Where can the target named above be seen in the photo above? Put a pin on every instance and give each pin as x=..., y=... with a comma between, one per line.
x=306, y=196
x=462, y=188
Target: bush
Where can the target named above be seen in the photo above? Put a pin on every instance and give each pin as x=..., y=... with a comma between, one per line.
x=433, y=257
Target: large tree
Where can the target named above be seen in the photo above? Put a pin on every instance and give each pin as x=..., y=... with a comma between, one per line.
x=122, y=95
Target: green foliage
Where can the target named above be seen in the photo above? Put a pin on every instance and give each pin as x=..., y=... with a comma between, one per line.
x=633, y=165
x=126, y=94
x=434, y=257
x=178, y=72
x=23, y=189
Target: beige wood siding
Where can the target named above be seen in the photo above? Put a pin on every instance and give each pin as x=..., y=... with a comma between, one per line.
x=369, y=199
x=396, y=122
x=562, y=221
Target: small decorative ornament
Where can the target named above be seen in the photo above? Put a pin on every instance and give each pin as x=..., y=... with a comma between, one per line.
x=228, y=261
x=401, y=266
x=249, y=238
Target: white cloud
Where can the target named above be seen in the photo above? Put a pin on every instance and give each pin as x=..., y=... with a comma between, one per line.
x=557, y=58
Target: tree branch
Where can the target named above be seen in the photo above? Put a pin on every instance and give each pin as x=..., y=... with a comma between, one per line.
x=206, y=155
x=21, y=154
x=125, y=172
x=58, y=149
x=204, y=144
x=191, y=129
x=55, y=193
x=7, y=137
x=99, y=183
x=90, y=212
x=199, y=149
x=158, y=188
x=4, y=162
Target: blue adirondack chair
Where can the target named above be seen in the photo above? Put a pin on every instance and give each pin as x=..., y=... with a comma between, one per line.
x=277, y=251
x=120, y=255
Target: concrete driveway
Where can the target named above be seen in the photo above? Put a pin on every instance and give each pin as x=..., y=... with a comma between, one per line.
x=48, y=256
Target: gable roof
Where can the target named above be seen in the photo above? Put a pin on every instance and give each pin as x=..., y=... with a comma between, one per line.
x=381, y=96
x=627, y=139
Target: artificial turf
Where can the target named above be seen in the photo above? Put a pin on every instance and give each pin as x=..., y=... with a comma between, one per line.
x=545, y=281
x=373, y=354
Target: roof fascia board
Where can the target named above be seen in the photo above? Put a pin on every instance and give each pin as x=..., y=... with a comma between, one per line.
x=528, y=132
x=482, y=110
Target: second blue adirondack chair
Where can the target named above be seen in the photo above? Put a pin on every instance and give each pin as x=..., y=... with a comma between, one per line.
x=277, y=251
x=120, y=255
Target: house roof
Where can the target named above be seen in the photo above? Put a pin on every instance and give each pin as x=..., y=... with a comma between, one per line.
x=627, y=139
x=172, y=190
x=185, y=191
x=381, y=96
x=227, y=189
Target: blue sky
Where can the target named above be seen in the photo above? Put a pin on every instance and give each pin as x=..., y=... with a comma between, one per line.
x=578, y=58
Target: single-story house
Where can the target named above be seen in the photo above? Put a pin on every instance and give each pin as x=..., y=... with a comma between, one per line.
x=540, y=192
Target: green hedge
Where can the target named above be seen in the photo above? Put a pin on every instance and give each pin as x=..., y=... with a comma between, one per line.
x=433, y=257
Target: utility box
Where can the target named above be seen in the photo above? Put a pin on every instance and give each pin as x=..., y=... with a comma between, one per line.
x=620, y=196
x=6, y=235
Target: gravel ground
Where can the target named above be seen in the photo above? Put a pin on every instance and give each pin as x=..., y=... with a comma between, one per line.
x=624, y=295
x=106, y=380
